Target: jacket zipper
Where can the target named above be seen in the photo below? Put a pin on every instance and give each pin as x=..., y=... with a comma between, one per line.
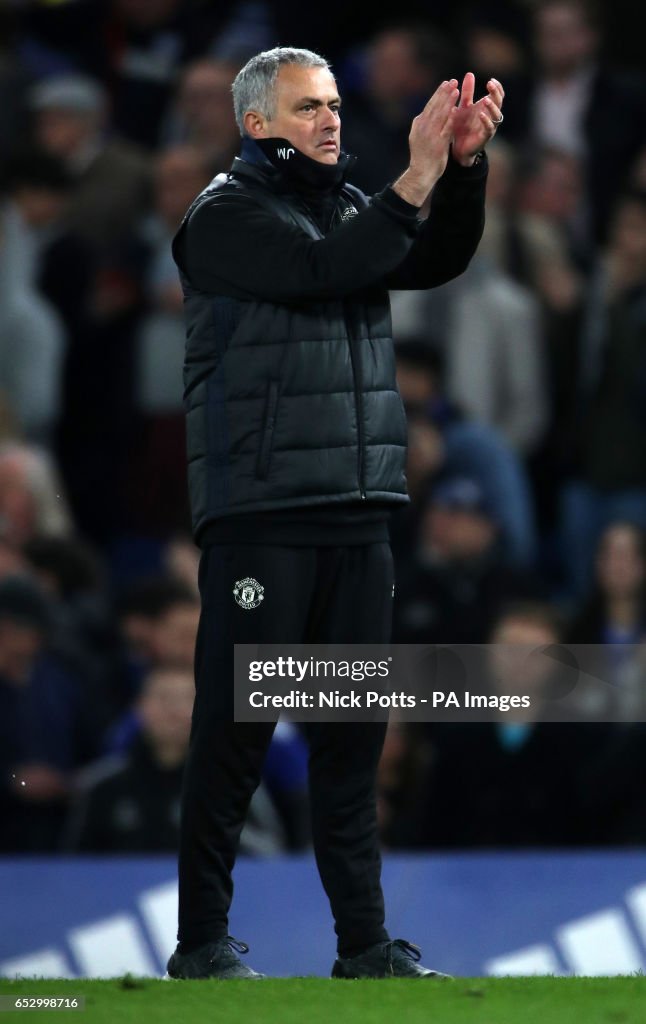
x=358, y=404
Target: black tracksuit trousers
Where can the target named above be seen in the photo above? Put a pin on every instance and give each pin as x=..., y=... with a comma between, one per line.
x=311, y=595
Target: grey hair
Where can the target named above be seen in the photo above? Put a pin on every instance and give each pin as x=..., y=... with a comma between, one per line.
x=41, y=481
x=254, y=86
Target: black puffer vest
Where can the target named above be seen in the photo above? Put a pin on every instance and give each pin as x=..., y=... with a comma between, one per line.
x=289, y=404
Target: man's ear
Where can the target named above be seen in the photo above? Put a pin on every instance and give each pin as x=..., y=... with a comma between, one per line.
x=255, y=124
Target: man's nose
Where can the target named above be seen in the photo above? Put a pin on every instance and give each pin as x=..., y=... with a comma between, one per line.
x=329, y=119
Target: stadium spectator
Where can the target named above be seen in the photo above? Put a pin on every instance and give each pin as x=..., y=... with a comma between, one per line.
x=66, y=567
x=32, y=500
x=130, y=802
x=53, y=269
x=147, y=44
x=144, y=610
x=71, y=572
x=157, y=488
x=50, y=721
x=159, y=622
x=517, y=784
x=32, y=336
x=549, y=197
x=403, y=65
x=250, y=28
x=495, y=38
x=181, y=561
x=613, y=619
x=529, y=230
x=488, y=329
x=202, y=116
x=609, y=480
x=615, y=611
x=444, y=441
x=455, y=583
x=572, y=103
x=111, y=179
x=175, y=633
x=109, y=193
x=533, y=232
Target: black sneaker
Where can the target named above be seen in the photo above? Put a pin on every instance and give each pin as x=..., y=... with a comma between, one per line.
x=395, y=958
x=217, y=959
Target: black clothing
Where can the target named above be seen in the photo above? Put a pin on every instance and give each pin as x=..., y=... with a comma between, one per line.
x=480, y=792
x=296, y=442
x=131, y=807
x=457, y=603
x=340, y=595
x=290, y=376
x=350, y=523
x=590, y=624
x=308, y=177
x=613, y=427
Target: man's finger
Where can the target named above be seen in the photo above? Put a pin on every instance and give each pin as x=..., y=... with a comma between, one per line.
x=488, y=124
x=468, y=89
x=495, y=94
x=492, y=110
x=496, y=90
x=442, y=94
x=438, y=110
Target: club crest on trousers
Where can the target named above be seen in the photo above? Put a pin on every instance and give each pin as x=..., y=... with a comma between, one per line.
x=248, y=593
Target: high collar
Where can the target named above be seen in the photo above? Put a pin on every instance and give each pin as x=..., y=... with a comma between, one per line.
x=289, y=168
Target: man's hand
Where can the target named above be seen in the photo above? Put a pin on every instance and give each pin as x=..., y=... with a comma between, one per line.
x=35, y=782
x=475, y=123
x=429, y=141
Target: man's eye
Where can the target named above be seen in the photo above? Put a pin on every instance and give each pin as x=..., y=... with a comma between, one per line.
x=308, y=106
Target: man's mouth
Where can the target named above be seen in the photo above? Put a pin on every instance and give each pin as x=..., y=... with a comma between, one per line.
x=328, y=144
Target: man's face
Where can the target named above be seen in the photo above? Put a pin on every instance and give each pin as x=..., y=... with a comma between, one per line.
x=394, y=70
x=564, y=39
x=516, y=659
x=165, y=706
x=457, y=533
x=62, y=131
x=175, y=634
x=179, y=177
x=556, y=189
x=306, y=113
x=205, y=101
x=620, y=564
x=416, y=384
x=20, y=644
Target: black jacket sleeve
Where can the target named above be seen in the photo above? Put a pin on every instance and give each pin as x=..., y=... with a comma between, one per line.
x=450, y=235
x=231, y=243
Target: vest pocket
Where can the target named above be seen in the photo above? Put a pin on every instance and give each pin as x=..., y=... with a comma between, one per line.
x=267, y=435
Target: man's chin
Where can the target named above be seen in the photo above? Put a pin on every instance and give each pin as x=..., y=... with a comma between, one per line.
x=326, y=156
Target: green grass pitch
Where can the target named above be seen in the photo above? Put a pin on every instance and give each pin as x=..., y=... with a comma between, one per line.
x=321, y=1001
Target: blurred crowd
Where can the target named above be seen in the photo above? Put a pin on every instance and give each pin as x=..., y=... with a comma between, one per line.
x=524, y=383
